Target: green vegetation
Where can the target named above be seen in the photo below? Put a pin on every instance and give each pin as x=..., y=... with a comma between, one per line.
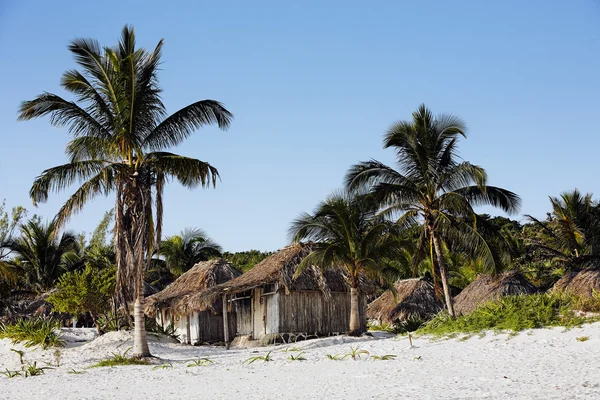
x=297, y=357
x=85, y=291
x=26, y=371
x=202, y=362
x=245, y=260
x=265, y=358
x=512, y=313
x=356, y=353
x=335, y=357
x=33, y=332
x=583, y=338
x=121, y=359
x=385, y=357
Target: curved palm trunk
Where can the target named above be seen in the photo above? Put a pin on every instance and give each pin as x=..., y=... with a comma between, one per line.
x=354, y=328
x=443, y=274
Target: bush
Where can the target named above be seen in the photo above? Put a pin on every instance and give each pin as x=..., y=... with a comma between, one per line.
x=512, y=313
x=44, y=332
x=87, y=291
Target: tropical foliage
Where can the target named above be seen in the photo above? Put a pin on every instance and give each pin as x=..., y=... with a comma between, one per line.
x=432, y=186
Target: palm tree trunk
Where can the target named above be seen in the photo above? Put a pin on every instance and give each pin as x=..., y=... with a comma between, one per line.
x=443, y=274
x=140, y=341
x=354, y=329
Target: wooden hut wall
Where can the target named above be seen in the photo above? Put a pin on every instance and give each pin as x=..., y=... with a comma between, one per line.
x=208, y=327
x=311, y=312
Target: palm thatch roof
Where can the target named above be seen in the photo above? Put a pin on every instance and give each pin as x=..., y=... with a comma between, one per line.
x=200, y=277
x=280, y=268
x=415, y=298
x=487, y=288
x=580, y=283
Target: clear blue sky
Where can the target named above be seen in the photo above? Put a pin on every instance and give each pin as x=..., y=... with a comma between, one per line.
x=313, y=86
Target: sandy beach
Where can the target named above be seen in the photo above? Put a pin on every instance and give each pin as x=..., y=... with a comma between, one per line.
x=537, y=364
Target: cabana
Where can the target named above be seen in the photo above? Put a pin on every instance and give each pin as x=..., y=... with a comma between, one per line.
x=271, y=306
x=579, y=283
x=415, y=299
x=171, y=305
x=487, y=288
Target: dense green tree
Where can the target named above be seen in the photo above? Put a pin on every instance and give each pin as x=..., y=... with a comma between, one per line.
x=348, y=233
x=8, y=224
x=121, y=132
x=431, y=186
x=246, y=260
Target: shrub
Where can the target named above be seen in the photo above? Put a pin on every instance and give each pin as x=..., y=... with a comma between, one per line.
x=512, y=313
x=120, y=359
x=44, y=332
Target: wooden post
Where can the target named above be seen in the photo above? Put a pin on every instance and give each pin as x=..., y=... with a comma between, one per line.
x=225, y=322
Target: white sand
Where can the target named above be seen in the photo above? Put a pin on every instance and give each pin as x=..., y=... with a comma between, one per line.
x=540, y=364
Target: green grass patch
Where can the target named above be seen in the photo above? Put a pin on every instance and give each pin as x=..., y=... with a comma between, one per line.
x=120, y=359
x=583, y=338
x=44, y=332
x=515, y=314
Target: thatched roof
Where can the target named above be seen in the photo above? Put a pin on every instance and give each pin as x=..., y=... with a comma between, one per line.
x=200, y=277
x=415, y=298
x=486, y=288
x=280, y=268
x=580, y=283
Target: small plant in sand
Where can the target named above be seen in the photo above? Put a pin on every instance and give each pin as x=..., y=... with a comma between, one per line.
x=10, y=374
x=164, y=366
x=334, y=357
x=385, y=357
x=21, y=353
x=201, y=362
x=356, y=353
x=265, y=358
x=297, y=357
x=120, y=359
x=33, y=369
x=583, y=338
x=288, y=349
x=75, y=372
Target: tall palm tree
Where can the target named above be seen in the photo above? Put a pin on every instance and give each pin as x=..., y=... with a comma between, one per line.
x=121, y=132
x=181, y=252
x=349, y=234
x=42, y=254
x=432, y=186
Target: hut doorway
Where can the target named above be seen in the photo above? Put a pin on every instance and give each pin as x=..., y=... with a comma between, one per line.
x=259, y=314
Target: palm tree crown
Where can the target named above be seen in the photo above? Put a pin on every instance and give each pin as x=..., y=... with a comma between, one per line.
x=181, y=252
x=431, y=185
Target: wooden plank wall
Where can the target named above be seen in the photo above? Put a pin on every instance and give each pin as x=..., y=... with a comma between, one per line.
x=310, y=312
x=210, y=326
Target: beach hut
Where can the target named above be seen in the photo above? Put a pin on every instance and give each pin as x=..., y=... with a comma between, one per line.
x=487, y=288
x=271, y=306
x=202, y=324
x=581, y=283
x=415, y=299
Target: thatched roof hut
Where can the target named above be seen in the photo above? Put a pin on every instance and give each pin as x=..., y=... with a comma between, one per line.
x=580, y=283
x=487, y=288
x=415, y=298
x=200, y=277
x=280, y=268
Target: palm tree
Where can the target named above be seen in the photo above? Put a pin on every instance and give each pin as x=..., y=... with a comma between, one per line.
x=121, y=132
x=571, y=235
x=42, y=254
x=432, y=186
x=181, y=252
x=349, y=234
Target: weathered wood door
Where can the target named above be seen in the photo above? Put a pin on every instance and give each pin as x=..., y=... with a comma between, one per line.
x=259, y=315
